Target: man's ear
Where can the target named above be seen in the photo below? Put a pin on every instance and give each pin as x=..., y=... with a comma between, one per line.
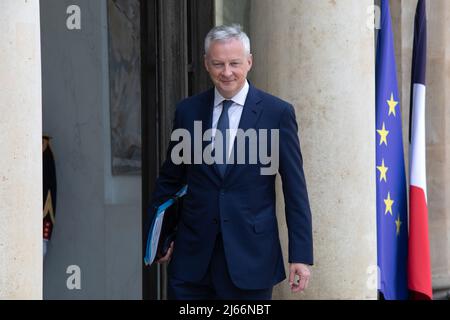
x=205, y=60
x=250, y=61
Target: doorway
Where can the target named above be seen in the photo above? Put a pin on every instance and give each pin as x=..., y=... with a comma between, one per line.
x=172, y=33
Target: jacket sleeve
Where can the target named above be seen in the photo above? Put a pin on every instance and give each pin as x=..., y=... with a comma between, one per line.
x=297, y=208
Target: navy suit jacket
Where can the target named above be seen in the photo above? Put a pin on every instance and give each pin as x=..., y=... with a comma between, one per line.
x=242, y=204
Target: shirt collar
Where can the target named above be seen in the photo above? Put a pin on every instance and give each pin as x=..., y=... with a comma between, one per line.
x=239, y=98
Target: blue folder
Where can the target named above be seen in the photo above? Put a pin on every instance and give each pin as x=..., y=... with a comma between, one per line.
x=163, y=227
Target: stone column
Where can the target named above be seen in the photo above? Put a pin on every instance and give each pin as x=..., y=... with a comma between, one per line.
x=437, y=124
x=21, y=151
x=319, y=55
x=438, y=140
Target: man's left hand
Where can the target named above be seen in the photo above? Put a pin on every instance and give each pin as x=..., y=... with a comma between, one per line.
x=303, y=272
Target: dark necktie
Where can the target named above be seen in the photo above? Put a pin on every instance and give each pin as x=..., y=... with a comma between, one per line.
x=223, y=125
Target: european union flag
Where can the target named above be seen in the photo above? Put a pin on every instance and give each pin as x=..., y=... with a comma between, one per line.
x=392, y=232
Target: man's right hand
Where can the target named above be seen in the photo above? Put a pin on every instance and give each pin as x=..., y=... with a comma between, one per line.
x=168, y=255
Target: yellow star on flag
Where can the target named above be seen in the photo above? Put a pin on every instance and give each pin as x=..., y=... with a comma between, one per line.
x=398, y=223
x=383, y=171
x=392, y=104
x=388, y=202
x=383, y=135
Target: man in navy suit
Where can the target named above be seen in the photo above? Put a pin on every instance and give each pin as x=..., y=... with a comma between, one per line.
x=227, y=244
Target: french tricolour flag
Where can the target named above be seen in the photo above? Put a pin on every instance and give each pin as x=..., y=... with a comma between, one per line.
x=419, y=266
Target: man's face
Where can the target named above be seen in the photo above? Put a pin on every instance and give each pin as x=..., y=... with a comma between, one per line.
x=228, y=64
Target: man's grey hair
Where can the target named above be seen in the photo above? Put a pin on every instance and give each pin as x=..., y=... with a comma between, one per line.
x=224, y=33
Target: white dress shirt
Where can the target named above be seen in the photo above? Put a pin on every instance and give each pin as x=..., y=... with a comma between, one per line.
x=234, y=112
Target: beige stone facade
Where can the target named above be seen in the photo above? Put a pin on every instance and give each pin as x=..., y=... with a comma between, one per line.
x=319, y=55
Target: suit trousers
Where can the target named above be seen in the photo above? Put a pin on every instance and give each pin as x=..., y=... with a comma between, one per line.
x=216, y=285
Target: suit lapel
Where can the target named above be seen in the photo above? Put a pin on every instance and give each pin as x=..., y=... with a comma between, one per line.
x=251, y=110
x=206, y=113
